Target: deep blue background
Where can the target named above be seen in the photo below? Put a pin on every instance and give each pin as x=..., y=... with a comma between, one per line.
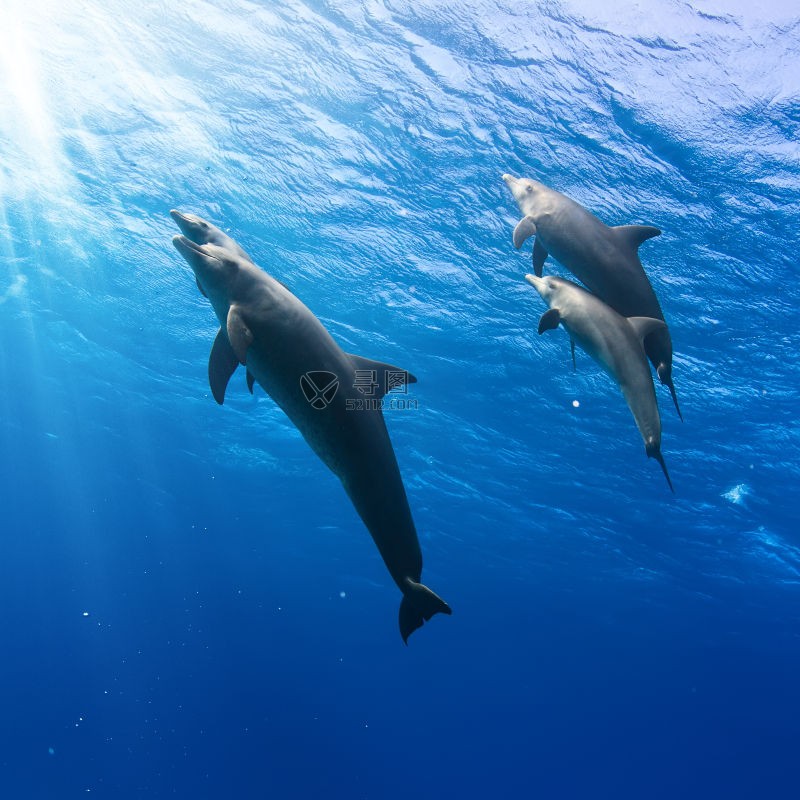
x=191, y=607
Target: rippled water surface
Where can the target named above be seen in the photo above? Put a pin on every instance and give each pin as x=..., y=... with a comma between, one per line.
x=192, y=607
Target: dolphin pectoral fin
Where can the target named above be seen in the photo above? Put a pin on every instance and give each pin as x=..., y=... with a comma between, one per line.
x=665, y=376
x=222, y=364
x=250, y=381
x=418, y=605
x=239, y=335
x=539, y=257
x=526, y=228
x=634, y=235
x=549, y=320
x=644, y=326
x=385, y=376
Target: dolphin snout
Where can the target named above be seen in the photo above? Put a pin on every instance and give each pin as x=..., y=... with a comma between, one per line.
x=537, y=283
x=189, y=224
x=194, y=253
x=181, y=219
x=509, y=179
x=186, y=246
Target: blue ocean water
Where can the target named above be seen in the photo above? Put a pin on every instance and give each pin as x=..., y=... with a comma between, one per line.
x=192, y=608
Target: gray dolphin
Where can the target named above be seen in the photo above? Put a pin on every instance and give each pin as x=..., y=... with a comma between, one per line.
x=293, y=357
x=605, y=259
x=612, y=340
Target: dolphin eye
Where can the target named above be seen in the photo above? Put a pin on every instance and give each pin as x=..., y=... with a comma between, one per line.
x=529, y=188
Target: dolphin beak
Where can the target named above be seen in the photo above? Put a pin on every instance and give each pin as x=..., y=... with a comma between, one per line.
x=509, y=179
x=197, y=257
x=537, y=283
x=186, y=222
x=181, y=219
x=187, y=248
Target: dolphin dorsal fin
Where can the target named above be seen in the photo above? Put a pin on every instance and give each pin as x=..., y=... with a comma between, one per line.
x=634, y=235
x=549, y=320
x=239, y=335
x=526, y=228
x=222, y=364
x=643, y=326
x=376, y=378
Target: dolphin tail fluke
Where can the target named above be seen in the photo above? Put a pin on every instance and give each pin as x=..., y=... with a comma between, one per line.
x=652, y=447
x=658, y=457
x=418, y=605
x=664, y=375
x=671, y=387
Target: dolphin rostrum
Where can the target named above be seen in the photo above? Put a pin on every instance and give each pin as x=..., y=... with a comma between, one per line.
x=604, y=259
x=201, y=231
x=322, y=390
x=612, y=340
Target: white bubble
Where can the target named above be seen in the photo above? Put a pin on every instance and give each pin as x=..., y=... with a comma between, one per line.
x=576, y=403
x=342, y=594
x=85, y=613
x=738, y=494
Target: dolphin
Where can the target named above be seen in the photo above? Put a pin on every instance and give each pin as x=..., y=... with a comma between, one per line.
x=604, y=259
x=612, y=340
x=322, y=391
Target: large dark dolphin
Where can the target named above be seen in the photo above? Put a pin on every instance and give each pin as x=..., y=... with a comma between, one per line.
x=605, y=259
x=293, y=357
x=612, y=340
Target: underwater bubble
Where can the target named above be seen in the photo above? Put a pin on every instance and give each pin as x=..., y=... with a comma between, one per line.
x=737, y=494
